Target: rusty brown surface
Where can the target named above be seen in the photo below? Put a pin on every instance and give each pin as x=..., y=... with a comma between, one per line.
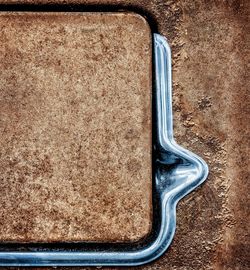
x=211, y=113
x=75, y=106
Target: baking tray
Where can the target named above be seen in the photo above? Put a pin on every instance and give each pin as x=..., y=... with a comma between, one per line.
x=176, y=172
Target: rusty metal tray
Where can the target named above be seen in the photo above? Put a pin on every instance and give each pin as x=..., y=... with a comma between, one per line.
x=177, y=172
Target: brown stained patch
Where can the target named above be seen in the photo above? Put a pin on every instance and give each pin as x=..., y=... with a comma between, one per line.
x=75, y=108
x=209, y=46
x=218, y=75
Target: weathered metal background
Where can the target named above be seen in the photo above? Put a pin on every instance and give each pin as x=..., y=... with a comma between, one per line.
x=211, y=113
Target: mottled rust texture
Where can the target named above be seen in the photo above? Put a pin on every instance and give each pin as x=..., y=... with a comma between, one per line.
x=211, y=113
x=75, y=106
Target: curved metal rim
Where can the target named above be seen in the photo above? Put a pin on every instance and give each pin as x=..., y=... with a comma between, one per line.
x=178, y=172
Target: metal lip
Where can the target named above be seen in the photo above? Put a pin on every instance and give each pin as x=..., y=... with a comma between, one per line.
x=177, y=172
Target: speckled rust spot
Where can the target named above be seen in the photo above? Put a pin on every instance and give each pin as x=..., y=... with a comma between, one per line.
x=75, y=106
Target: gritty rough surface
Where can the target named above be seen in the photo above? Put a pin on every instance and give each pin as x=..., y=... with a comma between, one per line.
x=211, y=116
x=75, y=106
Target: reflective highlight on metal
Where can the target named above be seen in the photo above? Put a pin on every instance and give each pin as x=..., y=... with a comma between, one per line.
x=177, y=172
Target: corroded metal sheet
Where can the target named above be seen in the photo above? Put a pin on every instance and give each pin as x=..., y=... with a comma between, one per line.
x=208, y=41
x=75, y=105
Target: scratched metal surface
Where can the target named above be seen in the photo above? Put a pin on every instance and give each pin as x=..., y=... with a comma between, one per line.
x=211, y=116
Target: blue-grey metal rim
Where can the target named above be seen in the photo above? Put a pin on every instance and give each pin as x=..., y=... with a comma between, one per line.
x=177, y=172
